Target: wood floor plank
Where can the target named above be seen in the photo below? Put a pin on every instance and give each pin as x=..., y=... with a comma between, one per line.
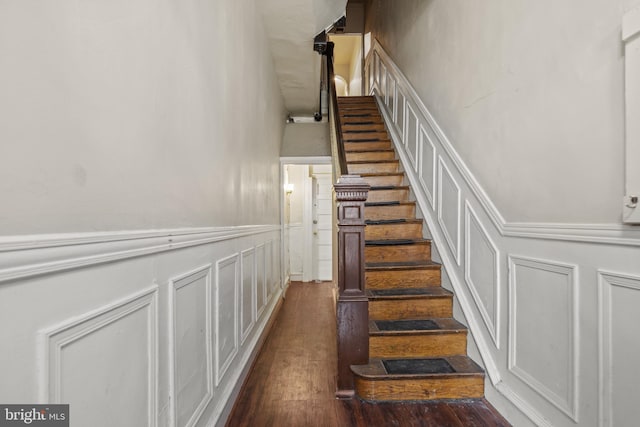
x=293, y=380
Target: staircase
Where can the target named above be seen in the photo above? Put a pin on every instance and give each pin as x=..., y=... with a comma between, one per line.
x=417, y=350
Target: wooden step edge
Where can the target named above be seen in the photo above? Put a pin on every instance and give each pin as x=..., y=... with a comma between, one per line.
x=447, y=325
x=396, y=242
x=373, y=162
x=391, y=266
x=433, y=292
x=463, y=366
x=371, y=150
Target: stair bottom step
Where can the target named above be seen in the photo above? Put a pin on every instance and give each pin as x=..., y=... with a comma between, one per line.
x=453, y=377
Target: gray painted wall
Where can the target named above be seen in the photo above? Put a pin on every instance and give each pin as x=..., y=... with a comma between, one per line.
x=531, y=95
x=125, y=115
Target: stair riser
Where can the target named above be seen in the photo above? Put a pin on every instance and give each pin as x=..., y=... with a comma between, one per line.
x=428, y=345
x=402, y=279
x=358, y=168
x=370, y=127
x=393, y=231
x=401, y=253
x=375, y=118
x=465, y=387
x=389, y=212
x=369, y=156
x=401, y=309
x=355, y=136
x=370, y=145
x=401, y=195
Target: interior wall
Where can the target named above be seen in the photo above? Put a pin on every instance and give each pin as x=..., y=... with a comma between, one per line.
x=529, y=94
x=127, y=115
x=355, y=72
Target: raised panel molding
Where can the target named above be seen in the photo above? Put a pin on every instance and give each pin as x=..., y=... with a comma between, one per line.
x=247, y=293
x=391, y=95
x=84, y=342
x=261, y=280
x=411, y=136
x=427, y=166
x=449, y=193
x=187, y=366
x=543, y=309
x=619, y=348
x=226, y=314
x=399, y=119
x=480, y=250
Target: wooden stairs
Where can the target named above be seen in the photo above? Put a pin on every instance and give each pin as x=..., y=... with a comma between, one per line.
x=417, y=350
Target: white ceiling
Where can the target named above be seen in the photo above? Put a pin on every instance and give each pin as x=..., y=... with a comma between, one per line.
x=291, y=26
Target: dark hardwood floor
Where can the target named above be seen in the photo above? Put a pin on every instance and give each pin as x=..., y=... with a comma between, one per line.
x=293, y=380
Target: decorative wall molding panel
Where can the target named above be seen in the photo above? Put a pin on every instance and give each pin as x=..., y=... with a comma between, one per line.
x=449, y=201
x=529, y=329
x=226, y=313
x=543, y=308
x=191, y=355
x=86, y=357
x=482, y=272
x=156, y=326
x=619, y=348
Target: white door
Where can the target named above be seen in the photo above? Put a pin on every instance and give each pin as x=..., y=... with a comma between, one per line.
x=322, y=216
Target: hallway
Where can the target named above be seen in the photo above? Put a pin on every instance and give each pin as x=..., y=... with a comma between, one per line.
x=293, y=379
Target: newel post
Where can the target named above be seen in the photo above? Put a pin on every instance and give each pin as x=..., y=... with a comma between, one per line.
x=352, y=305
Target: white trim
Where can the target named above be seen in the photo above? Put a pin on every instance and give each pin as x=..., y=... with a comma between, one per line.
x=631, y=24
x=524, y=406
x=27, y=256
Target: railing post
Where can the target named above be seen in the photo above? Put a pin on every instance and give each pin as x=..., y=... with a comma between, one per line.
x=352, y=305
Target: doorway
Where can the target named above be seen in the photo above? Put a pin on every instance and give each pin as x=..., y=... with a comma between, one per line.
x=307, y=222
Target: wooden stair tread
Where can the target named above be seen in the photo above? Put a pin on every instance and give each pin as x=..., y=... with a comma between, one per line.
x=461, y=365
x=388, y=203
x=407, y=265
x=394, y=221
x=429, y=292
x=373, y=162
x=428, y=326
x=370, y=150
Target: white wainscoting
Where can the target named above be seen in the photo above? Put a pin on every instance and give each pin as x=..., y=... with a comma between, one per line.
x=150, y=328
x=534, y=295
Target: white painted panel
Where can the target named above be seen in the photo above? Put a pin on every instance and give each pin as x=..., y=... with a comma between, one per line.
x=482, y=272
x=226, y=315
x=391, y=94
x=449, y=208
x=383, y=79
x=543, y=330
x=619, y=348
x=89, y=364
x=247, y=293
x=192, y=387
x=376, y=68
x=399, y=120
x=427, y=173
x=261, y=280
x=411, y=136
x=268, y=267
